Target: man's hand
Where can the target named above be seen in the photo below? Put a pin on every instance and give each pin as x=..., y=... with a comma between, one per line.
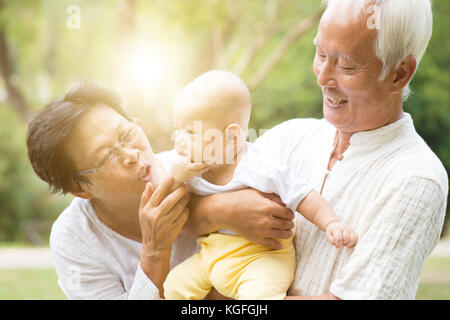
x=339, y=234
x=259, y=217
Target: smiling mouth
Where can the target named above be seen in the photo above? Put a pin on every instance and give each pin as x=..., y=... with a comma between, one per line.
x=145, y=173
x=335, y=102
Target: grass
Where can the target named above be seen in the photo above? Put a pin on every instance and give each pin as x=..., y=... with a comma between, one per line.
x=30, y=284
x=435, y=280
x=433, y=291
x=7, y=245
x=41, y=284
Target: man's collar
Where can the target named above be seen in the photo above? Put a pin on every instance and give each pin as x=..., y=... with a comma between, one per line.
x=385, y=134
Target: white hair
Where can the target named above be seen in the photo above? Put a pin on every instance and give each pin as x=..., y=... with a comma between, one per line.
x=404, y=28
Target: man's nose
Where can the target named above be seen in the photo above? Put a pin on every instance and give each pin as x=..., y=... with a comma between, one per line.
x=326, y=77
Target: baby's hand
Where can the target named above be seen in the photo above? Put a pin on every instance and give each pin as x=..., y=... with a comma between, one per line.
x=339, y=234
x=182, y=169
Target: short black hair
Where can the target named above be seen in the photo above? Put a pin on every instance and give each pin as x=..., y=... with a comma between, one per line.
x=48, y=130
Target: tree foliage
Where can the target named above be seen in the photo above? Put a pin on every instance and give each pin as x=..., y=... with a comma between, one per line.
x=268, y=43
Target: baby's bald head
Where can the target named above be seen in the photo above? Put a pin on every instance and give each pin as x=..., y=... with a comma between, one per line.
x=217, y=97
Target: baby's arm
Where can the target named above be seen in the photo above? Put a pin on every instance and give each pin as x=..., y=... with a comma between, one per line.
x=317, y=210
x=182, y=170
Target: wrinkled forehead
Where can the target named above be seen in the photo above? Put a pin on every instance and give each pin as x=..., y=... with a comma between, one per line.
x=345, y=12
x=346, y=28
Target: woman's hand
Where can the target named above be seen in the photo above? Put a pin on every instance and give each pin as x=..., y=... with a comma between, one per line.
x=162, y=215
x=260, y=217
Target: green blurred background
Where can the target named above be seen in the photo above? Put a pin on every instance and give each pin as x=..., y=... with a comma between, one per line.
x=148, y=50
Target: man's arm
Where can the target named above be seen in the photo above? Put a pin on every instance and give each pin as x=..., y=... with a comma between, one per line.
x=257, y=216
x=328, y=296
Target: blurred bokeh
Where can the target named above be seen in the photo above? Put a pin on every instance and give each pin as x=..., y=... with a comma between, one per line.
x=148, y=50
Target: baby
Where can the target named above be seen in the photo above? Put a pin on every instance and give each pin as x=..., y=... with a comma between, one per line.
x=211, y=119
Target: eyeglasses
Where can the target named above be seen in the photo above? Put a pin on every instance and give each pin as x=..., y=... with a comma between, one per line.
x=127, y=138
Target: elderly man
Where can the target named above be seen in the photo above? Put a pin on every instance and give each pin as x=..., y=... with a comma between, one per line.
x=364, y=157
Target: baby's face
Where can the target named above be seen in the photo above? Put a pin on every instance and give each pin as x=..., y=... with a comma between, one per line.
x=198, y=136
x=207, y=115
x=205, y=135
x=187, y=136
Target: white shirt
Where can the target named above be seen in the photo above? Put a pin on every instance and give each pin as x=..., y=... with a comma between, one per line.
x=390, y=187
x=93, y=261
x=263, y=171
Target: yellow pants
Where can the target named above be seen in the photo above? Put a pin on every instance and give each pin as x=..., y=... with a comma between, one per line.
x=235, y=267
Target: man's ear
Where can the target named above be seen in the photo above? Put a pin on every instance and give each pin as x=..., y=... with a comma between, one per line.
x=404, y=73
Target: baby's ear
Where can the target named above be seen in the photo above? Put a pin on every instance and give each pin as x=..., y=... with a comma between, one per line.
x=233, y=130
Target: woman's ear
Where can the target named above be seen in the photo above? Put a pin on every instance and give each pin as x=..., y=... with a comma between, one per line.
x=80, y=193
x=404, y=73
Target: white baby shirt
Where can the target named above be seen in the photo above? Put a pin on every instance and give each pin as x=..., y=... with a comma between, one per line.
x=261, y=171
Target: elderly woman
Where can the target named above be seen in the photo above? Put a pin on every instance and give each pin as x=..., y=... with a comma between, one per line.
x=113, y=241
x=364, y=157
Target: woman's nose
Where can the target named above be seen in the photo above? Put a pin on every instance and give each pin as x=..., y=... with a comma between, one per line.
x=130, y=156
